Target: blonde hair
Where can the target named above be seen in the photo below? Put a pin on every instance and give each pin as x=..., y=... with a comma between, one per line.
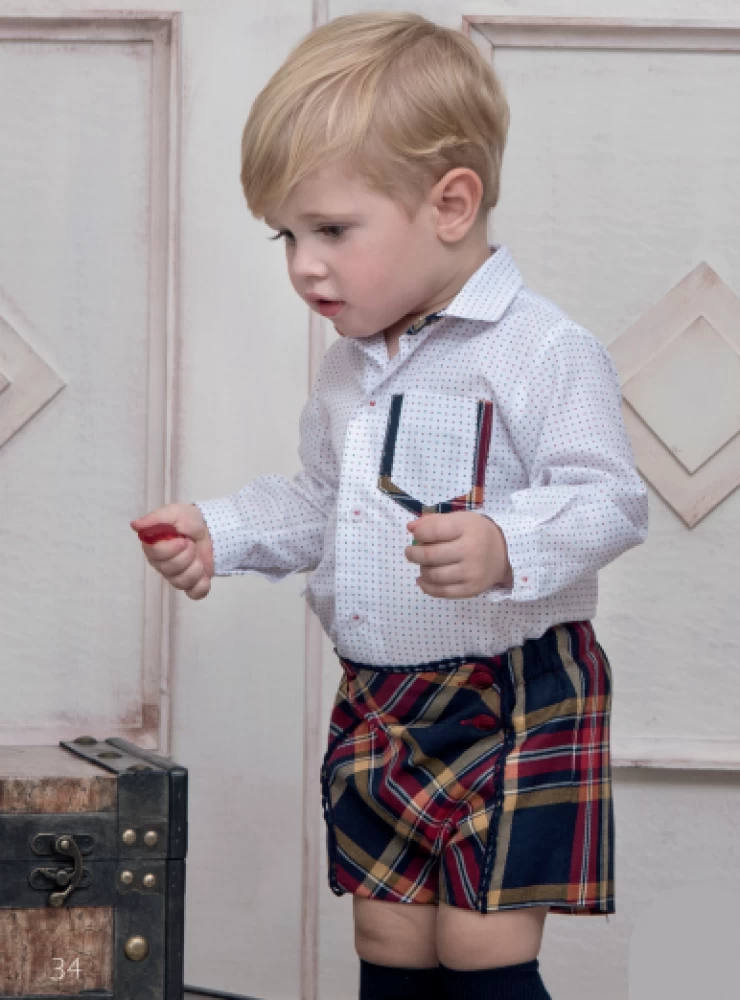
x=400, y=98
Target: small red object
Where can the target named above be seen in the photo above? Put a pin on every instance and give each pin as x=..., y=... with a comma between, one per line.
x=158, y=533
x=481, y=722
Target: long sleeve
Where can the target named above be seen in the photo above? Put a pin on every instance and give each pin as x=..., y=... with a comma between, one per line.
x=585, y=503
x=274, y=526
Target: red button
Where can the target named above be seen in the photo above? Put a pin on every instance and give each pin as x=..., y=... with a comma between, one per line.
x=372, y=402
x=481, y=680
x=481, y=722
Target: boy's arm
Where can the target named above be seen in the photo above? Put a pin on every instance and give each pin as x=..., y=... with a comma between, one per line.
x=585, y=504
x=275, y=525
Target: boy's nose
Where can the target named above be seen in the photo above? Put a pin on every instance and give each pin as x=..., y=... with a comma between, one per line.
x=307, y=265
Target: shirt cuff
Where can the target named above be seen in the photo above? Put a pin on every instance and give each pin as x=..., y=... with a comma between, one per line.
x=229, y=536
x=521, y=544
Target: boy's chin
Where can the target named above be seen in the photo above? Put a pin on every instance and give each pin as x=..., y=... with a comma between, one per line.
x=353, y=334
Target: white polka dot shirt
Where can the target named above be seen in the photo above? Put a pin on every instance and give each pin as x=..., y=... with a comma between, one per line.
x=559, y=478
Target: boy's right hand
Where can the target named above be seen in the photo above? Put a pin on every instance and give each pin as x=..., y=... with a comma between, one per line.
x=187, y=563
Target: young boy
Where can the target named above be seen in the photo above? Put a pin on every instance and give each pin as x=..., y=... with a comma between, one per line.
x=467, y=780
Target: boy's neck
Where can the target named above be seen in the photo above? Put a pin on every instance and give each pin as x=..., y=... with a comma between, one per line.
x=473, y=262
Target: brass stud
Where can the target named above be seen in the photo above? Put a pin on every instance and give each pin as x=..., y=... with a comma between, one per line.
x=64, y=844
x=129, y=837
x=150, y=838
x=136, y=948
x=149, y=881
x=127, y=877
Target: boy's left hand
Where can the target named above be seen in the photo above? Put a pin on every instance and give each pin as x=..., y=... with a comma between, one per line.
x=461, y=554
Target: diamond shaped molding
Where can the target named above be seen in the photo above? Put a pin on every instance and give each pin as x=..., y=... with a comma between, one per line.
x=27, y=382
x=664, y=394
x=679, y=365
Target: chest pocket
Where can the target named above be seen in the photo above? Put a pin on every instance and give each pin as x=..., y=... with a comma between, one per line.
x=435, y=452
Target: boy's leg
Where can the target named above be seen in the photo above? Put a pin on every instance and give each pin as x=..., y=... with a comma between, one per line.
x=491, y=956
x=469, y=940
x=400, y=934
x=396, y=943
x=388, y=982
x=509, y=982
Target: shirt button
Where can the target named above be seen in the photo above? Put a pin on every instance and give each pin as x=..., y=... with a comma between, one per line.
x=357, y=512
x=356, y=619
x=372, y=402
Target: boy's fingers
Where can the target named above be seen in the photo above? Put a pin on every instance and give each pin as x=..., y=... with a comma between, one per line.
x=189, y=576
x=161, y=552
x=170, y=520
x=200, y=590
x=167, y=515
x=431, y=554
x=430, y=528
x=180, y=561
x=443, y=576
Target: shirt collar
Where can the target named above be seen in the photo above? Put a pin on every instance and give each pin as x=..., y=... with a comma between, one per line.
x=485, y=297
x=489, y=292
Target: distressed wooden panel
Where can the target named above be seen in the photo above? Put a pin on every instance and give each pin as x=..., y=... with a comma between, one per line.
x=50, y=780
x=55, y=952
x=87, y=264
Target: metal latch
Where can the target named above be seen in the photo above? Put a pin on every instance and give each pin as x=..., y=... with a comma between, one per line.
x=67, y=879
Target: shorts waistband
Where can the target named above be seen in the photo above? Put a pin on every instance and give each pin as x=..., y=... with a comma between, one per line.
x=450, y=663
x=531, y=647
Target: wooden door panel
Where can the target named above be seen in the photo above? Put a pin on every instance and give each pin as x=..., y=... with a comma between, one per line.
x=86, y=336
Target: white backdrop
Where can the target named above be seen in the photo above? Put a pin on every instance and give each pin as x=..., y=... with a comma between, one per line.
x=227, y=356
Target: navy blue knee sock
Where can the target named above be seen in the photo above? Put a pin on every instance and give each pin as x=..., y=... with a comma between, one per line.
x=385, y=982
x=509, y=982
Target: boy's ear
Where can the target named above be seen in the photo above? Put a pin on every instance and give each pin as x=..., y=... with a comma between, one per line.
x=456, y=198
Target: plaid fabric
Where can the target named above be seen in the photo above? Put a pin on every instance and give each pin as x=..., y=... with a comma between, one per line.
x=484, y=782
x=468, y=501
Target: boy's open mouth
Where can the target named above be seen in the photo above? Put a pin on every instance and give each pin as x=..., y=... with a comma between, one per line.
x=329, y=307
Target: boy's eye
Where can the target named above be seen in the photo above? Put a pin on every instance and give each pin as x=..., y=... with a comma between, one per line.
x=333, y=232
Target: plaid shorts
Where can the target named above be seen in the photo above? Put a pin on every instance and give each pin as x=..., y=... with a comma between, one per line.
x=480, y=782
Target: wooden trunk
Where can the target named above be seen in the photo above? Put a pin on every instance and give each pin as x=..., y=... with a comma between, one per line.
x=93, y=838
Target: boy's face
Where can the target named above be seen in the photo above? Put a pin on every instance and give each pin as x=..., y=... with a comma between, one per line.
x=356, y=257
